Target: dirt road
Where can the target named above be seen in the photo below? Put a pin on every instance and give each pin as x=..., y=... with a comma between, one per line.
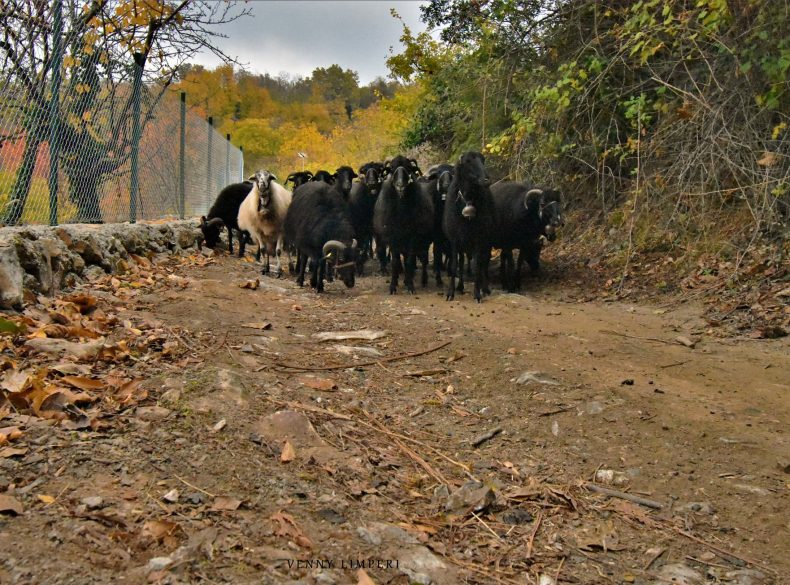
x=214, y=487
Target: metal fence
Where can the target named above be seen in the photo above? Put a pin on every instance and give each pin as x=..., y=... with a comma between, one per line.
x=135, y=152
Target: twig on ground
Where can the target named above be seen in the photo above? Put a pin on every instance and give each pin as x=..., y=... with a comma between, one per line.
x=624, y=496
x=361, y=364
x=657, y=339
x=194, y=487
x=486, y=436
x=531, y=541
x=675, y=364
x=479, y=519
x=720, y=550
x=654, y=558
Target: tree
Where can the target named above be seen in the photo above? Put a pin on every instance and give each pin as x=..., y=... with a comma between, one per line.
x=107, y=43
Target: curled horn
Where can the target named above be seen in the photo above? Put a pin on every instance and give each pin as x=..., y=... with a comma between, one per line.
x=531, y=198
x=332, y=245
x=354, y=244
x=415, y=166
x=291, y=177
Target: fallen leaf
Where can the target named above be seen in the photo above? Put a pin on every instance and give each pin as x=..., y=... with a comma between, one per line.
x=251, y=284
x=10, y=504
x=15, y=381
x=81, y=351
x=8, y=434
x=83, y=383
x=460, y=411
x=324, y=384
x=219, y=426
x=12, y=452
x=768, y=159
x=264, y=326
x=9, y=327
x=363, y=578
x=171, y=496
x=225, y=504
x=46, y=499
x=158, y=530
x=288, y=528
x=86, y=303
x=686, y=341
x=288, y=453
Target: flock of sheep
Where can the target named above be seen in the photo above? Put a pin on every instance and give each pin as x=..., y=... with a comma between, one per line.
x=335, y=224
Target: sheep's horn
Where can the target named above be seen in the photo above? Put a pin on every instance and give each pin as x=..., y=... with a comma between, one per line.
x=332, y=245
x=354, y=244
x=535, y=191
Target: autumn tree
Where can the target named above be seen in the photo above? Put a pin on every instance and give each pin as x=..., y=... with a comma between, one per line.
x=107, y=43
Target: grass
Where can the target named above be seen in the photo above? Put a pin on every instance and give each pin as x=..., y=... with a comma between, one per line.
x=37, y=206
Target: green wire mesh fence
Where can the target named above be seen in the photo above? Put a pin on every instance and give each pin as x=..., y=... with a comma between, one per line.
x=76, y=147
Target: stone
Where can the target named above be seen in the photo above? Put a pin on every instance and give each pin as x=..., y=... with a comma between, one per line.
x=92, y=502
x=11, y=275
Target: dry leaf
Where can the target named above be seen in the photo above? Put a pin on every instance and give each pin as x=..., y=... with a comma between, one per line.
x=85, y=303
x=158, y=530
x=16, y=381
x=363, y=578
x=324, y=384
x=12, y=452
x=251, y=284
x=225, y=504
x=46, y=499
x=768, y=159
x=8, y=434
x=288, y=528
x=288, y=453
x=219, y=426
x=83, y=383
x=10, y=504
x=264, y=326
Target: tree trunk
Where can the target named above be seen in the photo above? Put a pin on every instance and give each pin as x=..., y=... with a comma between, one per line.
x=84, y=180
x=24, y=177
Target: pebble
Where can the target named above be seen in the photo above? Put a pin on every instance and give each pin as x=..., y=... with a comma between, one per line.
x=92, y=502
x=159, y=563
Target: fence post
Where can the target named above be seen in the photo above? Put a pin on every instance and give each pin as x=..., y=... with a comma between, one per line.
x=137, y=83
x=227, y=159
x=182, y=158
x=241, y=163
x=208, y=162
x=54, y=109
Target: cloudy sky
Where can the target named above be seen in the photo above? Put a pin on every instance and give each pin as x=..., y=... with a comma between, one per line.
x=296, y=36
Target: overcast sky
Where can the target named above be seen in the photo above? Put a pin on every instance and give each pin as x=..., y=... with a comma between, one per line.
x=296, y=36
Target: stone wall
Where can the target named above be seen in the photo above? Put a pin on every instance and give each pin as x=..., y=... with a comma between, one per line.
x=45, y=259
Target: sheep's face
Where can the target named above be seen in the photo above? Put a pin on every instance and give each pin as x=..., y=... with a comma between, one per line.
x=372, y=179
x=472, y=167
x=551, y=213
x=324, y=176
x=443, y=184
x=263, y=180
x=343, y=176
x=211, y=230
x=400, y=180
x=299, y=178
x=344, y=259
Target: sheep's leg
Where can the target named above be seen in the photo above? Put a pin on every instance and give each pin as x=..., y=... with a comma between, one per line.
x=437, y=262
x=411, y=268
x=452, y=264
x=230, y=239
x=478, y=286
x=381, y=253
x=485, y=259
x=424, y=260
x=301, y=266
x=519, y=262
x=396, y=270
x=460, y=271
x=533, y=257
x=278, y=252
x=242, y=243
x=321, y=271
x=314, y=272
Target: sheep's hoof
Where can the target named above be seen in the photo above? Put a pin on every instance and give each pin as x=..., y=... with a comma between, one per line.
x=487, y=291
x=450, y=297
x=410, y=288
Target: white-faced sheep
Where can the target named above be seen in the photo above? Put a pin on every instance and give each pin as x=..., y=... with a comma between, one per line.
x=262, y=214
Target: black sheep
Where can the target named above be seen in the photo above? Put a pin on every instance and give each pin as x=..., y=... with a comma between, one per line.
x=319, y=226
x=323, y=176
x=526, y=214
x=436, y=183
x=225, y=212
x=361, y=204
x=469, y=221
x=403, y=218
x=298, y=178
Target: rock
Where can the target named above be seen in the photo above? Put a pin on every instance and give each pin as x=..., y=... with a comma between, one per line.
x=171, y=496
x=11, y=274
x=744, y=577
x=678, y=574
x=152, y=413
x=93, y=502
x=159, y=563
x=440, y=494
x=473, y=495
x=686, y=341
x=536, y=377
x=517, y=516
x=698, y=507
x=330, y=515
x=195, y=498
x=611, y=477
x=423, y=567
x=377, y=533
x=593, y=407
x=752, y=489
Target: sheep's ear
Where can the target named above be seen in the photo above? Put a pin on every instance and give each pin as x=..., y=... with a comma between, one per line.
x=354, y=175
x=252, y=178
x=202, y=220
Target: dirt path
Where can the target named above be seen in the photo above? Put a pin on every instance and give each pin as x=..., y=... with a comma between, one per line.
x=611, y=395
